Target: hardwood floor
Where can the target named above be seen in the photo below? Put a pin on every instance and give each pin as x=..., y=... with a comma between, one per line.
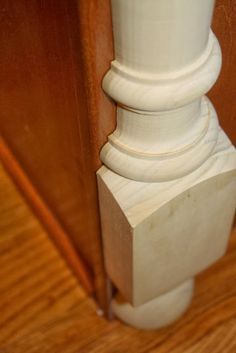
x=43, y=309
x=35, y=283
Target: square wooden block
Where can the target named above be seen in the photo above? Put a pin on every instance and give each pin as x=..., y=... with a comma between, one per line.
x=157, y=235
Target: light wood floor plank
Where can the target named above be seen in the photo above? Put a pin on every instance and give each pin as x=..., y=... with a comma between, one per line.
x=44, y=310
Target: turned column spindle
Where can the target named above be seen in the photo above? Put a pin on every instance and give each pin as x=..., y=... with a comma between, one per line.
x=166, y=188
x=166, y=59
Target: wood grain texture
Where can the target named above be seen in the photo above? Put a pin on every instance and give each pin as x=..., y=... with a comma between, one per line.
x=54, y=115
x=44, y=310
x=96, y=51
x=96, y=40
x=60, y=238
x=54, y=55
x=224, y=92
x=35, y=282
x=166, y=60
x=158, y=235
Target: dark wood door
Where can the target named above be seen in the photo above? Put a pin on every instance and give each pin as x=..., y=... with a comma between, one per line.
x=53, y=55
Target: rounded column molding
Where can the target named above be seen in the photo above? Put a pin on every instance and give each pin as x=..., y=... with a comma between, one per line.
x=163, y=118
x=145, y=91
x=166, y=191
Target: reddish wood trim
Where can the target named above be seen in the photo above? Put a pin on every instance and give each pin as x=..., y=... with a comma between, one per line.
x=95, y=38
x=97, y=52
x=58, y=235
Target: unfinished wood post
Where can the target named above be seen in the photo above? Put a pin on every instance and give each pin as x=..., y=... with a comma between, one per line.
x=167, y=188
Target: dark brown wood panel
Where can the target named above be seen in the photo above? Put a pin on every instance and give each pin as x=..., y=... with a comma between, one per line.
x=95, y=25
x=52, y=56
x=223, y=94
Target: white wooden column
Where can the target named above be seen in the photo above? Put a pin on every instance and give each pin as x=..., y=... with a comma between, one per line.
x=167, y=188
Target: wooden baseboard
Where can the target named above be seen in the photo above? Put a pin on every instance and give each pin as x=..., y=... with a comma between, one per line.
x=45, y=215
